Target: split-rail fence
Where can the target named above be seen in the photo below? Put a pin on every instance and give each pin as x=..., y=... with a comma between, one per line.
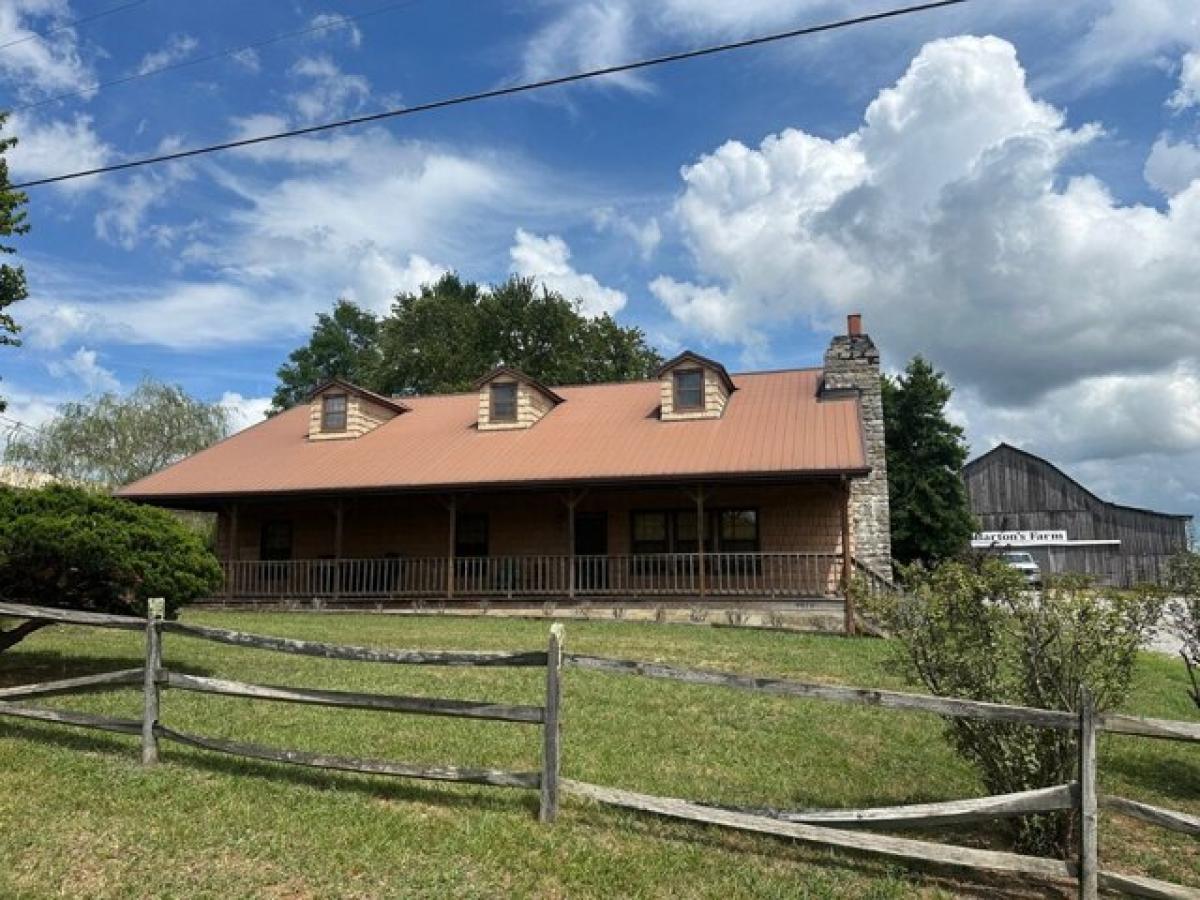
x=835, y=827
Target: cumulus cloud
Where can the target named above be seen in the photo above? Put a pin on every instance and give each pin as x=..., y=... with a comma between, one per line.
x=1188, y=92
x=947, y=218
x=1170, y=167
x=84, y=367
x=548, y=259
x=647, y=235
x=177, y=47
x=51, y=148
x=35, y=63
x=244, y=411
x=328, y=91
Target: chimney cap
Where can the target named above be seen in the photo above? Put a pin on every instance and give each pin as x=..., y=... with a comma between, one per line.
x=854, y=324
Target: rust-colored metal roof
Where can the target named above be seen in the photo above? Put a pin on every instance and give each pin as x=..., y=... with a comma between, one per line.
x=773, y=425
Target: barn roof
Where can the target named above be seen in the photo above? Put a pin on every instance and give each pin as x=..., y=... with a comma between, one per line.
x=1002, y=448
x=776, y=425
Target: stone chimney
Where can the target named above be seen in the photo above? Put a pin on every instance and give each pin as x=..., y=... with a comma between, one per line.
x=852, y=367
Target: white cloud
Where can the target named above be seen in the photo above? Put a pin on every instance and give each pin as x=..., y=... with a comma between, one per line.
x=589, y=35
x=329, y=92
x=1171, y=168
x=1188, y=92
x=248, y=59
x=947, y=218
x=332, y=23
x=1129, y=33
x=177, y=47
x=51, y=148
x=548, y=259
x=647, y=235
x=244, y=411
x=83, y=366
x=37, y=64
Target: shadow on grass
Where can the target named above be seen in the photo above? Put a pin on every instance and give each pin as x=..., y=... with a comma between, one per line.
x=1162, y=775
x=32, y=666
x=958, y=882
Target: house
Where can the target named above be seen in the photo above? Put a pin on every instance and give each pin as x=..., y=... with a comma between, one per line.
x=697, y=484
x=1025, y=502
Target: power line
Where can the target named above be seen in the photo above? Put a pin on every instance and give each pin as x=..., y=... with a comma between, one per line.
x=525, y=87
x=325, y=25
x=80, y=21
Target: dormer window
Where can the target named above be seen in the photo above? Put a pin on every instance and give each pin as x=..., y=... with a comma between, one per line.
x=504, y=401
x=510, y=399
x=333, y=412
x=339, y=410
x=693, y=387
x=689, y=389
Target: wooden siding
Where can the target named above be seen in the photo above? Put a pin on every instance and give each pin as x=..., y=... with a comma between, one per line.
x=532, y=404
x=715, y=395
x=362, y=415
x=1011, y=490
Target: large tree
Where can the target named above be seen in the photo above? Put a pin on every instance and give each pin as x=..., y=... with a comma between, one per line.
x=343, y=344
x=931, y=517
x=444, y=336
x=12, y=222
x=112, y=440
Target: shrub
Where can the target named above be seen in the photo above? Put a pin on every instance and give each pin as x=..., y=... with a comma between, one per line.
x=79, y=549
x=1184, y=611
x=972, y=629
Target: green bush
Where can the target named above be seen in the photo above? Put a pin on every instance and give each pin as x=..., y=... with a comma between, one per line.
x=78, y=549
x=973, y=629
x=1185, y=613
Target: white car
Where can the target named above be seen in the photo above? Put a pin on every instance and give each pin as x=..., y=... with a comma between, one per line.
x=1024, y=563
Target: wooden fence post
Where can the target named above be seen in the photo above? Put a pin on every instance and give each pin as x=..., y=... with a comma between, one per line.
x=155, y=610
x=1088, y=819
x=551, y=748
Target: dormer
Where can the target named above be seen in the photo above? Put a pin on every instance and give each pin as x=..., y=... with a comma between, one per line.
x=510, y=399
x=339, y=410
x=693, y=387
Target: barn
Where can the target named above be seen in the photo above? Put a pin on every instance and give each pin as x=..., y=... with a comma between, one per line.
x=1022, y=501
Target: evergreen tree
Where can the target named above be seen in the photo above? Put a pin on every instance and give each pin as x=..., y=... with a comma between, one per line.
x=931, y=517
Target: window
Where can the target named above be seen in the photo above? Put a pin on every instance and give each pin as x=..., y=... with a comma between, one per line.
x=685, y=532
x=275, y=541
x=689, y=389
x=650, y=533
x=504, y=401
x=471, y=534
x=333, y=412
x=738, y=530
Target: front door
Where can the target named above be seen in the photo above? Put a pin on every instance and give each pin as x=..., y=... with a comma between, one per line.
x=591, y=551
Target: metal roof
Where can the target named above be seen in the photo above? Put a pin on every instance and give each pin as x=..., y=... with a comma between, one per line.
x=775, y=425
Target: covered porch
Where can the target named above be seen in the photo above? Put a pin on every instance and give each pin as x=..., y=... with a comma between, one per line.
x=778, y=541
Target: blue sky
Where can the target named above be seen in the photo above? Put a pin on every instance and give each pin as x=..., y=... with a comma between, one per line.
x=1011, y=191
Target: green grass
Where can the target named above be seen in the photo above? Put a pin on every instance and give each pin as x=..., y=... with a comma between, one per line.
x=81, y=817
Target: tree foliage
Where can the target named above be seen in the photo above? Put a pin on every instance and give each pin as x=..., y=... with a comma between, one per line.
x=443, y=337
x=112, y=440
x=344, y=344
x=13, y=222
x=1184, y=613
x=931, y=516
x=972, y=629
x=80, y=549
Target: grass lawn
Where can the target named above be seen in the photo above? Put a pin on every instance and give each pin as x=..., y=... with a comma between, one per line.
x=79, y=817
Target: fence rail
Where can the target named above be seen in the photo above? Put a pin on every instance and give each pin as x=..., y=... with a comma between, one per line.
x=834, y=828
x=785, y=574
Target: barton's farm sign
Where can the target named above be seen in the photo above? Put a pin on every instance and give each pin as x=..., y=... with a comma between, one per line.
x=988, y=538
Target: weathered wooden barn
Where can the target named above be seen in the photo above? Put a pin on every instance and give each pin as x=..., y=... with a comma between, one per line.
x=1024, y=502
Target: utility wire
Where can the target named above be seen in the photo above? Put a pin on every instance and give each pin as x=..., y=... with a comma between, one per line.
x=80, y=21
x=522, y=88
x=332, y=22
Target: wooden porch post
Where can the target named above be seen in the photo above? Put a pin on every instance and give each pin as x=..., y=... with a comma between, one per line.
x=231, y=560
x=847, y=560
x=700, y=539
x=338, y=525
x=572, y=500
x=452, y=539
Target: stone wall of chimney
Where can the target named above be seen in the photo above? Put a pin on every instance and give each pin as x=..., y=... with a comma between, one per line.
x=852, y=364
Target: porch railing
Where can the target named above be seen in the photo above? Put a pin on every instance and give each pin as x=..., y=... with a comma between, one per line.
x=770, y=575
